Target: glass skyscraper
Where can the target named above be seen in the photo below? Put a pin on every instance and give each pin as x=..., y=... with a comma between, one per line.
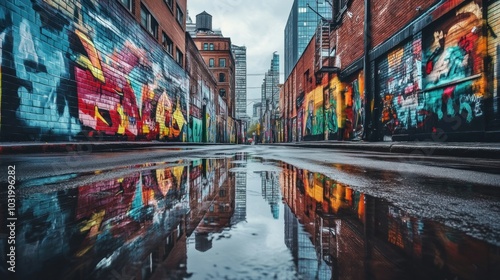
x=300, y=27
x=240, y=55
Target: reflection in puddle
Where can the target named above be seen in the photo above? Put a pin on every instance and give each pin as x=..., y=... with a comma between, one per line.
x=233, y=218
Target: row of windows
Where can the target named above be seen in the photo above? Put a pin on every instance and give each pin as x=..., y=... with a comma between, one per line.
x=152, y=26
x=212, y=47
x=222, y=62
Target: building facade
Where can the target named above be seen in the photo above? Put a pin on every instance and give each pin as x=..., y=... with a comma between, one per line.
x=240, y=55
x=202, y=96
x=111, y=73
x=270, y=100
x=422, y=70
x=300, y=27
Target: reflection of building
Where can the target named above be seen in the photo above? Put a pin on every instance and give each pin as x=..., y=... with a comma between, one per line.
x=221, y=207
x=240, y=196
x=271, y=192
x=340, y=239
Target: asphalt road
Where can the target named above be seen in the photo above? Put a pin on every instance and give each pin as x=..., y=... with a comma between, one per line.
x=462, y=193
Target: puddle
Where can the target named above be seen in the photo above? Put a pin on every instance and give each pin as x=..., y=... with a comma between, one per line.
x=235, y=218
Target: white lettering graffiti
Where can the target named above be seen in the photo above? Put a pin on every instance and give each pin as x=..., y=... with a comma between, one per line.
x=470, y=99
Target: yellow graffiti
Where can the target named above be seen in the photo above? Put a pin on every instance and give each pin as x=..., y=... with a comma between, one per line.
x=165, y=180
x=99, y=116
x=92, y=225
x=92, y=64
x=163, y=111
x=123, y=119
x=395, y=58
x=178, y=119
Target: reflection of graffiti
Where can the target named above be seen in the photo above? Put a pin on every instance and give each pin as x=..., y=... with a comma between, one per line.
x=61, y=81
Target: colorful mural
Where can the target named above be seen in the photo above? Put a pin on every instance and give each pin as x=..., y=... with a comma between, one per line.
x=196, y=129
x=89, y=73
x=493, y=26
x=400, y=80
x=210, y=117
x=344, y=108
x=313, y=110
x=453, y=52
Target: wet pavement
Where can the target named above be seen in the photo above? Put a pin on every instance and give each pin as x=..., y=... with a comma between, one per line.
x=240, y=215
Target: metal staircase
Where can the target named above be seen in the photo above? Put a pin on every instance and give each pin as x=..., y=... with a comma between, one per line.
x=324, y=55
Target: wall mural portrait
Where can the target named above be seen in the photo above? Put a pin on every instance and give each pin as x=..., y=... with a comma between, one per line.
x=453, y=55
x=313, y=114
x=77, y=69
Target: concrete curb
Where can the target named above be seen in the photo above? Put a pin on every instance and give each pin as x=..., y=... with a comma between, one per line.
x=31, y=148
x=483, y=150
x=418, y=148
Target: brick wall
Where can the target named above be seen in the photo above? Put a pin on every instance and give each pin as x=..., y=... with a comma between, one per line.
x=75, y=71
x=202, y=87
x=390, y=16
x=348, y=37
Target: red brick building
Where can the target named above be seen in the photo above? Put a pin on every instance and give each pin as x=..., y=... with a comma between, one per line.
x=165, y=21
x=406, y=70
x=217, y=53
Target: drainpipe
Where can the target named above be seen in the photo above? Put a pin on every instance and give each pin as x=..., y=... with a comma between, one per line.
x=368, y=125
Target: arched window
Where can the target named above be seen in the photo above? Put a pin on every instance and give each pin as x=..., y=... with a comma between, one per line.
x=222, y=77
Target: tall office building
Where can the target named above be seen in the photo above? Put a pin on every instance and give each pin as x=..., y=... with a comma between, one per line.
x=240, y=55
x=300, y=27
x=270, y=89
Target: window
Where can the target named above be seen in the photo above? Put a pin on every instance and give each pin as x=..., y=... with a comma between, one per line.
x=222, y=193
x=128, y=4
x=222, y=62
x=222, y=77
x=211, y=46
x=205, y=46
x=211, y=62
x=168, y=44
x=169, y=3
x=148, y=21
x=179, y=57
x=222, y=93
x=180, y=15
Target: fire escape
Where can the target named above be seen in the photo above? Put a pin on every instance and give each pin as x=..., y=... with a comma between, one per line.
x=324, y=56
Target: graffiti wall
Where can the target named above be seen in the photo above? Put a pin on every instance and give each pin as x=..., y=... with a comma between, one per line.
x=344, y=108
x=80, y=69
x=434, y=82
x=313, y=124
x=400, y=80
x=494, y=52
x=453, y=51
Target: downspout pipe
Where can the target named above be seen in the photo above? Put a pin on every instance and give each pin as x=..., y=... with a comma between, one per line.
x=368, y=124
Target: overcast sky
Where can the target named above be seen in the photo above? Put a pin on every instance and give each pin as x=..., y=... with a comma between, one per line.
x=258, y=24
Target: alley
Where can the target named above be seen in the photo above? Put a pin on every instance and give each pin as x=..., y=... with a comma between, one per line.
x=255, y=212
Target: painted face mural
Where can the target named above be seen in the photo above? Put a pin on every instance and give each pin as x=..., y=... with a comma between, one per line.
x=453, y=54
x=34, y=89
x=89, y=72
